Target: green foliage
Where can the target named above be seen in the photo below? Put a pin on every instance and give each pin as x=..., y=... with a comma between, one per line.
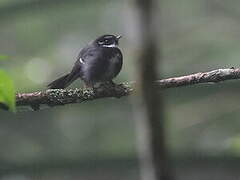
x=7, y=92
x=3, y=57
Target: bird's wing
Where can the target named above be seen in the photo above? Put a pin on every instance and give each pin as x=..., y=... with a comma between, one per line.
x=87, y=54
x=77, y=69
x=93, y=63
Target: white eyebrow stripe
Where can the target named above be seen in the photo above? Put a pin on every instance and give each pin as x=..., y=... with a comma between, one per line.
x=81, y=61
x=108, y=37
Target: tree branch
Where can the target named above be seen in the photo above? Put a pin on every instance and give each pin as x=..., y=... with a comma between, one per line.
x=55, y=97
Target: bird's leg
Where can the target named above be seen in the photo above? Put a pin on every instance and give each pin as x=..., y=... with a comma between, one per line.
x=88, y=85
x=107, y=84
x=99, y=85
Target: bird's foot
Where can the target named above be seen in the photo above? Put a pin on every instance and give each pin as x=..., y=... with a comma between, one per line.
x=106, y=85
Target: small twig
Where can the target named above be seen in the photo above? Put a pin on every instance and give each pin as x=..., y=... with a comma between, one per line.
x=55, y=97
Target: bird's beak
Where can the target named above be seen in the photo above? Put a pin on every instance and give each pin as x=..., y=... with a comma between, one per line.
x=118, y=37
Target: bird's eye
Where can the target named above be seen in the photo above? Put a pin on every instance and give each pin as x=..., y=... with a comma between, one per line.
x=106, y=40
x=100, y=42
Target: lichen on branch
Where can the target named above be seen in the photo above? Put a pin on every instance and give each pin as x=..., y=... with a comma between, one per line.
x=55, y=97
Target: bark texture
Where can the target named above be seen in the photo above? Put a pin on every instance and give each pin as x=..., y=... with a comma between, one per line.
x=55, y=97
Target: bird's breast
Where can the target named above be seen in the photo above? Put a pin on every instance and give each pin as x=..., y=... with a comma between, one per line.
x=114, y=65
x=115, y=58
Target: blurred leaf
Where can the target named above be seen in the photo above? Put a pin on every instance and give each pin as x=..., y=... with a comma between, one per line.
x=7, y=92
x=3, y=57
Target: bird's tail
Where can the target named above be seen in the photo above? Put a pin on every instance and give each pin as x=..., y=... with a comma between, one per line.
x=62, y=82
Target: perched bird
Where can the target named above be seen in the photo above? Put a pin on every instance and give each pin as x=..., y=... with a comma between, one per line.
x=99, y=61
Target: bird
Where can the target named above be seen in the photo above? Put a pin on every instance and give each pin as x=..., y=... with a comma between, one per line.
x=98, y=62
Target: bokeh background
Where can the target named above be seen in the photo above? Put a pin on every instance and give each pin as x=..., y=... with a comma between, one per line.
x=97, y=140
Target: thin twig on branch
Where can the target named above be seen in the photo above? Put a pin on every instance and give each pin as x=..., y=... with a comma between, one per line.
x=54, y=97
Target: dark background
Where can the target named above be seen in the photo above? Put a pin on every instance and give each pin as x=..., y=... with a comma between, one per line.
x=96, y=140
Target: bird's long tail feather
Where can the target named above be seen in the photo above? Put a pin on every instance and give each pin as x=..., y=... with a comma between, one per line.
x=62, y=82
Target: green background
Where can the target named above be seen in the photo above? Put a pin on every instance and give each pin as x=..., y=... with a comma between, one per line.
x=97, y=139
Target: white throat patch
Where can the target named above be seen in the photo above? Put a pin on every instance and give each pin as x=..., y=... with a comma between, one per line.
x=110, y=45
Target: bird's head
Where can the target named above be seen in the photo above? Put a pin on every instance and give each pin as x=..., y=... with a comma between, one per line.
x=108, y=40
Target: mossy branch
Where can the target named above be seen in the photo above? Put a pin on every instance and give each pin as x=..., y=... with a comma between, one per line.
x=55, y=97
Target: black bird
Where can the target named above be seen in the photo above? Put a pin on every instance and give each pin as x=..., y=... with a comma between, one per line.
x=99, y=61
